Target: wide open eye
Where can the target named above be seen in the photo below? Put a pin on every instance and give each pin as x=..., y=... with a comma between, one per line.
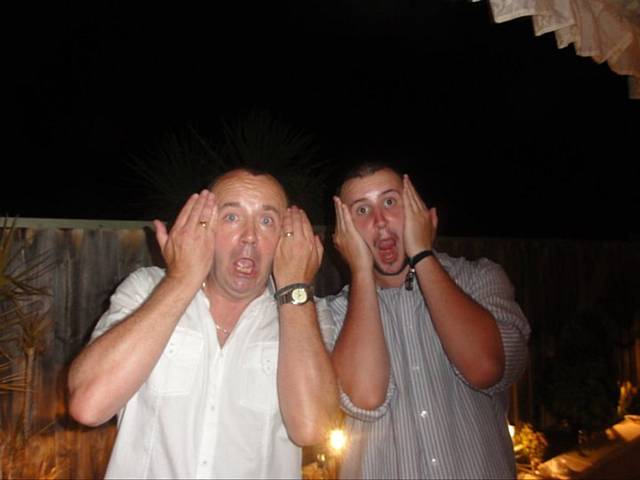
x=363, y=210
x=267, y=220
x=390, y=202
x=230, y=217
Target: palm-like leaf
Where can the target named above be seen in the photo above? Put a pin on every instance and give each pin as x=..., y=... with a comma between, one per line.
x=35, y=328
x=186, y=162
x=180, y=165
x=11, y=381
x=263, y=142
x=24, y=328
x=16, y=280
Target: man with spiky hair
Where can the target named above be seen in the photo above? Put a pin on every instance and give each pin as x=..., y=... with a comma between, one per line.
x=425, y=346
x=212, y=371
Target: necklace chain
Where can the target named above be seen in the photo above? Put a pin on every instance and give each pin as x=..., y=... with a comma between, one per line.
x=223, y=330
x=218, y=327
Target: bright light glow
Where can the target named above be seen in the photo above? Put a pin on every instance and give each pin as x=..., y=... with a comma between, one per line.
x=337, y=440
x=512, y=432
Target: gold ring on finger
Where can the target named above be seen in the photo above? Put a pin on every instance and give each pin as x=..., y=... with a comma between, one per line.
x=288, y=234
x=203, y=224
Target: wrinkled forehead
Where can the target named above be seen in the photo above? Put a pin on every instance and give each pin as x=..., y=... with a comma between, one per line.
x=245, y=188
x=370, y=187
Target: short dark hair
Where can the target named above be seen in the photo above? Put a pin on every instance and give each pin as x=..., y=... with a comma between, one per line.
x=365, y=169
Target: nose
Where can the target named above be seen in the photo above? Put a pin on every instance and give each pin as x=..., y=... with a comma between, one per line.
x=249, y=235
x=379, y=218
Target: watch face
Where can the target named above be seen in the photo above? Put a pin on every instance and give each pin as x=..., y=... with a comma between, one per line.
x=299, y=295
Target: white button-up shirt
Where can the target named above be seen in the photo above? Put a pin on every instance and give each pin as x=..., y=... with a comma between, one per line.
x=205, y=411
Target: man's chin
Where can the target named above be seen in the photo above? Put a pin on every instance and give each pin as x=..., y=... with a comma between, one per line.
x=248, y=286
x=390, y=269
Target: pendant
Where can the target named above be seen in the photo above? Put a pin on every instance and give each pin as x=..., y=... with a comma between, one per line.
x=408, y=282
x=223, y=330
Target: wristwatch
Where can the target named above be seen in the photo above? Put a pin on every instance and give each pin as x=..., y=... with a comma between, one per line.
x=295, y=294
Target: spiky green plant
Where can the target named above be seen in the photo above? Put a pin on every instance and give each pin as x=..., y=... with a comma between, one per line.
x=16, y=282
x=262, y=141
x=35, y=328
x=10, y=381
x=186, y=162
x=168, y=173
x=24, y=329
x=19, y=297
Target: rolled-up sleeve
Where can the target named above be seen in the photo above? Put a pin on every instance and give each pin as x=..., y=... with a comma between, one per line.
x=493, y=290
x=368, y=415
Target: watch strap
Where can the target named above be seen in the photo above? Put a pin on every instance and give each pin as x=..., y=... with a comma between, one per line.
x=283, y=295
x=419, y=256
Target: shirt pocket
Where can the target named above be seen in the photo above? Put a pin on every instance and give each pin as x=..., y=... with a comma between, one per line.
x=259, y=368
x=176, y=370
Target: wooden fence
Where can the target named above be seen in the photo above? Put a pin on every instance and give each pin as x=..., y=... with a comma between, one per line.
x=554, y=280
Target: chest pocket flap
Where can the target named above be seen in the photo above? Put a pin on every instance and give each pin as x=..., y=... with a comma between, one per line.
x=177, y=368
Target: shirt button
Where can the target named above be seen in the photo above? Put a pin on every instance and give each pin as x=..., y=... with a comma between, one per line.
x=415, y=368
x=212, y=408
x=434, y=462
x=423, y=414
x=204, y=462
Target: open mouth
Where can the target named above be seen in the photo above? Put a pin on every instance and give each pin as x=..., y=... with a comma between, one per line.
x=387, y=249
x=245, y=266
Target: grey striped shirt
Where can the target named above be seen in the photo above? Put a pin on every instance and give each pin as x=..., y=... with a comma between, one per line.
x=433, y=424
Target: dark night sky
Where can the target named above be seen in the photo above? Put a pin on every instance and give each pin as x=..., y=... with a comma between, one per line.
x=500, y=125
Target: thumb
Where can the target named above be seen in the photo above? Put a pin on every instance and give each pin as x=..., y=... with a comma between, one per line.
x=161, y=233
x=319, y=249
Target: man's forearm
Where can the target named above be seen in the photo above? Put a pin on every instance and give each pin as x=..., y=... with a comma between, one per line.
x=111, y=369
x=307, y=385
x=468, y=332
x=360, y=357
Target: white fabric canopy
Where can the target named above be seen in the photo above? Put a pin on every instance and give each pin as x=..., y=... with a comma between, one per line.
x=607, y=30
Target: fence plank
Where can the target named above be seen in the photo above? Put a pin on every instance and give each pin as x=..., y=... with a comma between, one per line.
x=553, y=280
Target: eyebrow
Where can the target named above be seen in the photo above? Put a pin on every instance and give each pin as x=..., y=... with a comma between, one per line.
x=364, y=199
x=270, y=208
x=237, y=205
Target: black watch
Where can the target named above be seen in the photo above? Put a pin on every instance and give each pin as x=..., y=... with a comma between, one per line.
x=295, y=294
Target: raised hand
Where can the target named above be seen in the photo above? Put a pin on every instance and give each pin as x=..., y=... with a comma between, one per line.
x=188, y=248
x=348, y=240
x=420, y=221
x=299, y=251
